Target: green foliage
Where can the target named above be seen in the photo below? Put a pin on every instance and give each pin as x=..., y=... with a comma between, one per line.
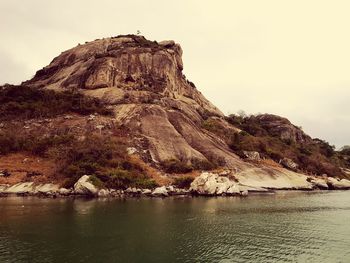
x=119, y=178
x=345, y=150
x=183, y=182
x=204, y=164
x=20, y=102
x=211, y=125
x=176, y=166
x=106, y=159
x=316, y=157
x=96, y=181
x=12, y=140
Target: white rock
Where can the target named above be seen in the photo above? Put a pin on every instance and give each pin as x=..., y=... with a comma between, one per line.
x=3, y=187
x=84, y=187
x=146, y=191
x=252, y=155
x=244, y=193
x=46, y=188
x=103, y=193
x=91, y=117
x=213, y=184
x=64, y=191
x=20, y=188
x=318, y=182
x=170, y=188
x=131, y=150
x=289, y=164
x=338, y=184
x=233, y=189
x=160, y=191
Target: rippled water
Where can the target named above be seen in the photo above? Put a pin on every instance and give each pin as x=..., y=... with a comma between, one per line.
x=286, y=227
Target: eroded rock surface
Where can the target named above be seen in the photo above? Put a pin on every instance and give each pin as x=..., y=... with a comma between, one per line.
x=214, y=184
x=283, y=128
x=84, y=187
x=337, y=184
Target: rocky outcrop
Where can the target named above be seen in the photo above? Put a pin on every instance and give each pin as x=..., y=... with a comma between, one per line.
x=252, y=155
x=143, y=82
x=283, y=128
x=29, y=188
x=274, y=179
x=160, y=191
x=338, y=184
x=289, y=164
x=84, y=187
x=213, y=184
x=318, y=183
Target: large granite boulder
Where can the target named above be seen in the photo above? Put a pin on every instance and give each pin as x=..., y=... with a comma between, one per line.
x=213, y=184
x=84, y=187
x=282, y=128
x=318, y=183
x=289, y=164
x=338, y=184
x=252, y=155
x=160, y=191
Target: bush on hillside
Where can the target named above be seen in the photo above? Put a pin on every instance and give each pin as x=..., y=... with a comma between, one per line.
x=183, y=182
x=105, y=158
x=12, y=140
x=20, y=102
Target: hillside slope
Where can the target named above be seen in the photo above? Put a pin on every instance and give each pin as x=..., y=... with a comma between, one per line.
x=132, y=91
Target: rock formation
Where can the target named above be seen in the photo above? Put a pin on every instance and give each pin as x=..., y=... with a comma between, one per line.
x=144, y=84
x=282, y=128
x=162, y=113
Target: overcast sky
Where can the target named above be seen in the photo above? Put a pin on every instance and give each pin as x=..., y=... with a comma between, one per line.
x=290, y=58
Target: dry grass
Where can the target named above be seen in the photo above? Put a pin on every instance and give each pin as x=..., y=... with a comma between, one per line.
x=19, y=164
x=150, y=171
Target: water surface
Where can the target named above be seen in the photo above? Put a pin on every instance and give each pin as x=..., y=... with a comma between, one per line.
x=285, y=227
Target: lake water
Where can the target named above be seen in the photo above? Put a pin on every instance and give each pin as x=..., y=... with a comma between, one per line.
x=285, y=227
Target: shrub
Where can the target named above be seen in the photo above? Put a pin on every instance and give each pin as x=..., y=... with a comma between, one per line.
x=106, y=159
x=204, y=164
x=12, y=140
x=183, y=182
x=176, y=166
x=5, y=173
x=96, y=181
x=20, y=102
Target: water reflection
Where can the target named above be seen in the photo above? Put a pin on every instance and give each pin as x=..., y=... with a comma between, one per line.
x=290, y=227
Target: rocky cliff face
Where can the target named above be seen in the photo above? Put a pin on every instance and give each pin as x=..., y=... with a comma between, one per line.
x=143, y=82
x=282, y=128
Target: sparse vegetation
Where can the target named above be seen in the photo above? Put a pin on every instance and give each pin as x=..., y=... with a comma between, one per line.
x=314, y=157
x=20, y=102
x=14, y=140
x=176, y=166
x=183, y=182
x=106, y=159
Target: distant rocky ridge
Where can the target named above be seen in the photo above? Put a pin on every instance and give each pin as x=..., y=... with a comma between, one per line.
x=166, y=119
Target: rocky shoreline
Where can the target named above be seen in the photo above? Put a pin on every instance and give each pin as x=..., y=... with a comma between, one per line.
x=207, y=184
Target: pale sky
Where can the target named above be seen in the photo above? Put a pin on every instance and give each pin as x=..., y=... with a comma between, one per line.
x=290, y=58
